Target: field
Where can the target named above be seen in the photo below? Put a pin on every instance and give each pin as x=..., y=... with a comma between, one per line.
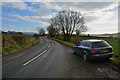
x=9, y=44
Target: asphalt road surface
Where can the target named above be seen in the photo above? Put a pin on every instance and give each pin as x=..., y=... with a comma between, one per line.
x=50, y=59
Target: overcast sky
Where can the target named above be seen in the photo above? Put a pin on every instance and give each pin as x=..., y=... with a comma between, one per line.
x=100, y=17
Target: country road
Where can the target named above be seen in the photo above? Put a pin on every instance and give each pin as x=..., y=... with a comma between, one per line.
x=50, y=59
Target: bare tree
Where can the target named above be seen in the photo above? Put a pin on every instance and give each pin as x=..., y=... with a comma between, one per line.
x=68, y=21
x=41, y=31
x=81, y=30
x=77, y=32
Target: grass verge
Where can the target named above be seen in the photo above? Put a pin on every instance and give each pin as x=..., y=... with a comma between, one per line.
x=11, y=49
x=63, y=42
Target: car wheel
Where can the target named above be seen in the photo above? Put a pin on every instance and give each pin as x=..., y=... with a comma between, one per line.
x=85, y=57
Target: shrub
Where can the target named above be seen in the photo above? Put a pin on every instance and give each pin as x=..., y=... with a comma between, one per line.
x=20, y=39
x=36, y=36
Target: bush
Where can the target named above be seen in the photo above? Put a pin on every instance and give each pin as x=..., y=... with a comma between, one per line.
x=20, y=39
x=36, y=36
x=66, y=37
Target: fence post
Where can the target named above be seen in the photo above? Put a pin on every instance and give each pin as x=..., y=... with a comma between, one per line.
x=3, y=42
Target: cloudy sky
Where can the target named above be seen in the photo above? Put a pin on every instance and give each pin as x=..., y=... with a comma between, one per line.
x=100, y=17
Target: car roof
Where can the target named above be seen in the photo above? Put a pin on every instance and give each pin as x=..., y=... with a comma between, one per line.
x=92, y=40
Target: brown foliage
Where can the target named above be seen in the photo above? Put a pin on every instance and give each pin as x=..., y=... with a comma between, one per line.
x=36, y=36
x=20, y=39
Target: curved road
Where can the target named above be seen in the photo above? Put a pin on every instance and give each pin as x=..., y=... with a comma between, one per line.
x=50, y=59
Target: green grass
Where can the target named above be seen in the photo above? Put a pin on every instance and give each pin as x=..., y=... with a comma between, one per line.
x=9, y=49
x=64, y=42
x=114, y=44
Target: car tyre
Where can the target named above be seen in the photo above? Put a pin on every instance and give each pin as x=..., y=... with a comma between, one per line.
x=85, y=57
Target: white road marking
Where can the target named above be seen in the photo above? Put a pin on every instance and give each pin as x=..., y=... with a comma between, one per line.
x=34, y=58
x=48, y=45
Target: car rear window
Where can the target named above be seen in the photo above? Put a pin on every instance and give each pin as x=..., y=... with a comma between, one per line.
x=86, y=44
x=99, y=44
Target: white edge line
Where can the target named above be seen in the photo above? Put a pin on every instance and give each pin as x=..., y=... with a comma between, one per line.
x=34, y=58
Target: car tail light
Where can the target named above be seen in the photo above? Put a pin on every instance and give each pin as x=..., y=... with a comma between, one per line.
x=93, y=51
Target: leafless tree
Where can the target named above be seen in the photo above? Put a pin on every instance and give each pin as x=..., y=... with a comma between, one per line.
x=81, y=30
x=67, y=22
x=41, y=31
x=77, y=32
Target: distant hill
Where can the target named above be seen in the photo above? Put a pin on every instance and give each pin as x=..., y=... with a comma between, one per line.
x=13, y=32
x=29, y=33
x=114, y=34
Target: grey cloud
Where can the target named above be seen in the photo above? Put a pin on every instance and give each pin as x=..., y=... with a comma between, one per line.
x=89, y=18
x=87, y=6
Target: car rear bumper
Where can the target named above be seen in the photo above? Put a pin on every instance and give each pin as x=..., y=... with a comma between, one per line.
x=101, y=56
